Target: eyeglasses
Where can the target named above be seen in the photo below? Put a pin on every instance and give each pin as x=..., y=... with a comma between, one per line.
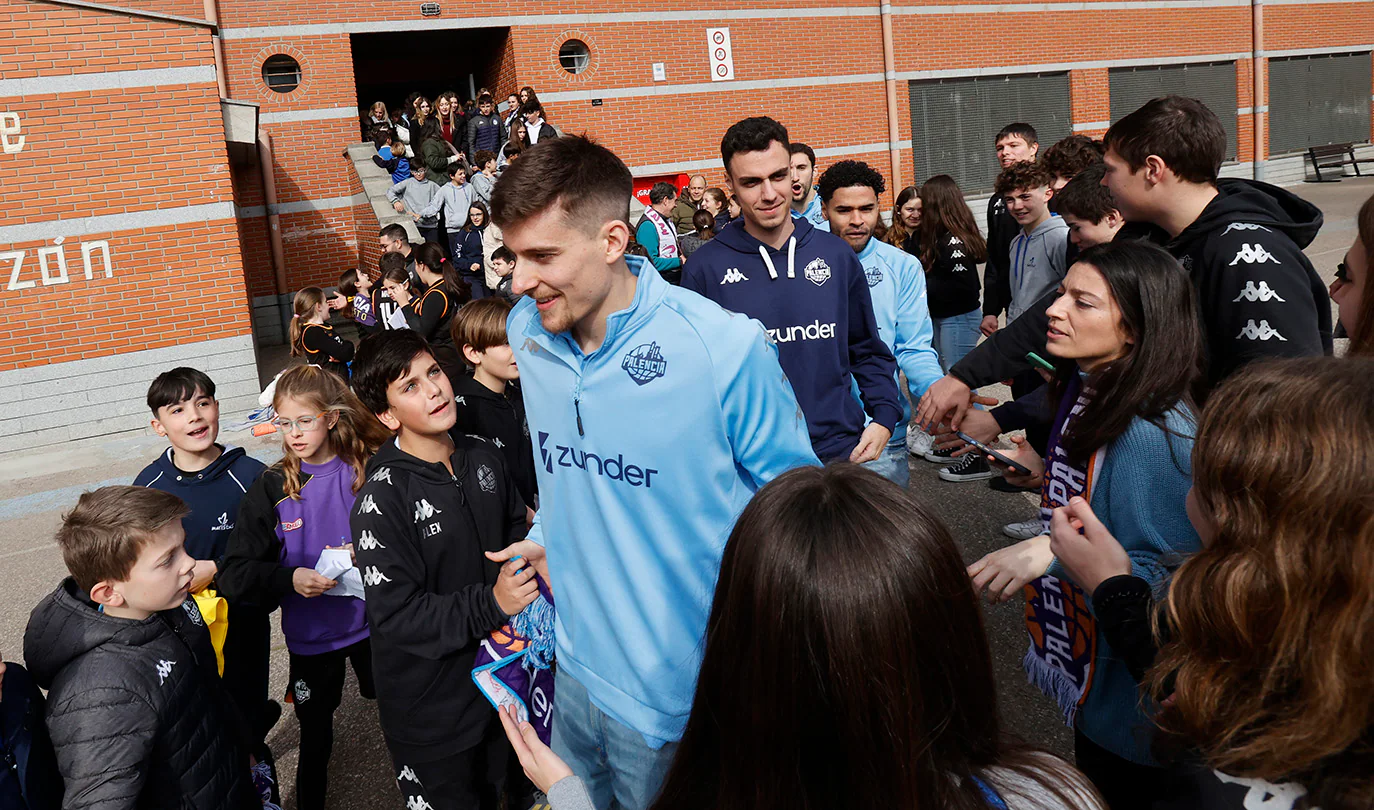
x=1343, y=272
x=305, y=424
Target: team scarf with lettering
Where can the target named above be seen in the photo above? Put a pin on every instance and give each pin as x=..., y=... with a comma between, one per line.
x=1063, y=633
x=513, y=664
x=667, y=234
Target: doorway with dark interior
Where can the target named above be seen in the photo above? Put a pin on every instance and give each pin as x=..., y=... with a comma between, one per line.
x=390, y=65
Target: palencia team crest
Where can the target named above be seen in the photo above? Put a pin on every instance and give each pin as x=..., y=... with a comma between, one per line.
x=817, y=272
x=645, y=363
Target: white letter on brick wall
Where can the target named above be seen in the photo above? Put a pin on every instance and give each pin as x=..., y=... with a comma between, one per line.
x=10, y=127
x=61, y=253
x=15, y=283
x=87, y=248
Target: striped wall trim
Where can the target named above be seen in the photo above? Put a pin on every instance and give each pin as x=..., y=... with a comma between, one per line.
x=1091, y=125
x=301, y=206
x=1060, y=67
x=114, y=223
x=1351, y=49
x=1263, y=108
x=111, y=80
x=318, y=114
x=705, y=14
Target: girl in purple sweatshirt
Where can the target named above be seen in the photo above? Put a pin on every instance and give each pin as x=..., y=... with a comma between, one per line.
x=298, y=508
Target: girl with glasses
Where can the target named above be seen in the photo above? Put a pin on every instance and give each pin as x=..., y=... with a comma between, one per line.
x=299, y=507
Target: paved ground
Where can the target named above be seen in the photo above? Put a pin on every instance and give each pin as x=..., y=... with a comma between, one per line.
x=36, y=485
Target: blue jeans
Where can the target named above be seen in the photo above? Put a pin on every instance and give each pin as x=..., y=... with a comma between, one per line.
x=892, y=464
x=611, y=759
x=955, y=337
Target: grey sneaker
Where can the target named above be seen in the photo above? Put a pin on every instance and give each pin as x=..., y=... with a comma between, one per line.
x=970, y=467
x=1024, y=530
x=918, y=441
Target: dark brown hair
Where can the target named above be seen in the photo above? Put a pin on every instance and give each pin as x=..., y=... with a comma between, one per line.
x=1272, y=622
x=1181, y=131
x=1023, y=174
x=102, y=536
x=1084, y=196
x=897, y=233
x=1362, y=336
x=585, y=180
x=303, y=305
x=845, y=662
x=1071, y=155
x=944, y=213
x=1161, y=367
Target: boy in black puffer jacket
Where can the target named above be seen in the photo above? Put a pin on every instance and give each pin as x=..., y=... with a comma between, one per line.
x=136, y=711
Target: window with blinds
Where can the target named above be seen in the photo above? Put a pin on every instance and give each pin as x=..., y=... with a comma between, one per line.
x=954, y=121
x=1317, y=100
x=1213, y=83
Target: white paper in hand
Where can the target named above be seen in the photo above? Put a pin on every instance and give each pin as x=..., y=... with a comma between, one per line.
x=397, y=319
x=337, y=564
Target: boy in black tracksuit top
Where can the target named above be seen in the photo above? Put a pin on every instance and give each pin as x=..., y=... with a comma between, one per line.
x=1258, y=295
x=430, y=509
x=489, y=402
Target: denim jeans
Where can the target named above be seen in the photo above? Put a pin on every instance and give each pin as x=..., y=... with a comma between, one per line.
x=611, y=759
x=892, y=464
x=955, y=337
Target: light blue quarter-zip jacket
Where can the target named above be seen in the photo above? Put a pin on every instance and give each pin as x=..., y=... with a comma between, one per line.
x=897, y=284
x=647, y=450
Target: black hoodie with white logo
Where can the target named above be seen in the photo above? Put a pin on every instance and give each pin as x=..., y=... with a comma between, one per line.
x=1258, y=295
x=419, y=534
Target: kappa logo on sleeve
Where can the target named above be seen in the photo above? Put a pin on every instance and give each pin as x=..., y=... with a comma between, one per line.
x=372, y=577
x=1263, y=293
x=382, y=474
x=367, y=541
x=1253, y=254
x=164, y=668
x=1262, y=332
x=368, y=506
x=1244, y=226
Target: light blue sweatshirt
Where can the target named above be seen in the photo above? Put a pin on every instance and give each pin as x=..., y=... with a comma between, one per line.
x=897, y=284
x=647, y=450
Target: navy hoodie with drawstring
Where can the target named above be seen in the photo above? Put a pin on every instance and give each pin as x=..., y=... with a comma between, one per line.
x=213, y=494
x=812, y=297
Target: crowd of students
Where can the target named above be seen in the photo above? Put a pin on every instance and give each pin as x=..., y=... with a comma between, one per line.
x=701, y=468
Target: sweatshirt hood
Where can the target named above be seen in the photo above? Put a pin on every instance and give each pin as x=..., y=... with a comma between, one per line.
x=738, y=239
x=391, y=455
x=1252, y=202
x=218, y=468
x=66, y=625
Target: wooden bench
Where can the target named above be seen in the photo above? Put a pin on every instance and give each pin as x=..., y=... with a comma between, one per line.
x=1334, y=156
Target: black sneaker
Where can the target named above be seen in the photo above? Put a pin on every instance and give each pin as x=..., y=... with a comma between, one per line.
x=1003, y=485
x=940, y=456
x=971, y=467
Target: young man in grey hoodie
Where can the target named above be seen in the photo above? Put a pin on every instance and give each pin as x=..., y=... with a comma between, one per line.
x=413, y=195
x=1037, y=260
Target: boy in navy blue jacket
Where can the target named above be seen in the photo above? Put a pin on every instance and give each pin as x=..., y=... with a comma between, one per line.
x=810, y=292
x=211, y=479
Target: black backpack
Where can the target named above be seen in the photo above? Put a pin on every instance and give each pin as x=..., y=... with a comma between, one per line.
x=29, y=779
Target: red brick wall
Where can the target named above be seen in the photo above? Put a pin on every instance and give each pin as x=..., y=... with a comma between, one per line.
x=114, y=152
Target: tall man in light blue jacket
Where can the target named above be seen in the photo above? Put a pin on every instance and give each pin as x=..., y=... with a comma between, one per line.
x=656, y=415
x=897, y=283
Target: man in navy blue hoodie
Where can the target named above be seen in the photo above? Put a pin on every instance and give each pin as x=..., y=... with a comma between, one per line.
x=211, y=479
x=810, y=292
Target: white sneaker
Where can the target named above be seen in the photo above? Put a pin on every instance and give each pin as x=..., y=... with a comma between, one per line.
x=1024, y=530
x=918, y=442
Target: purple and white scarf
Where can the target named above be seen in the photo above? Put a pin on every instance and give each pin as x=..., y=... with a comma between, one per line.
x=1063, y=633
x=667, y=234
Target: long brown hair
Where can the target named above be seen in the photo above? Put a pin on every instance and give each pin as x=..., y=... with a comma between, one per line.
x=302, y=307
x=1161, y=367
x=1272, y=623
x=1362, y=337
x=897, y=232
x=355, y=436
x=431, y=257
x=944, y=213
x=845, y=662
